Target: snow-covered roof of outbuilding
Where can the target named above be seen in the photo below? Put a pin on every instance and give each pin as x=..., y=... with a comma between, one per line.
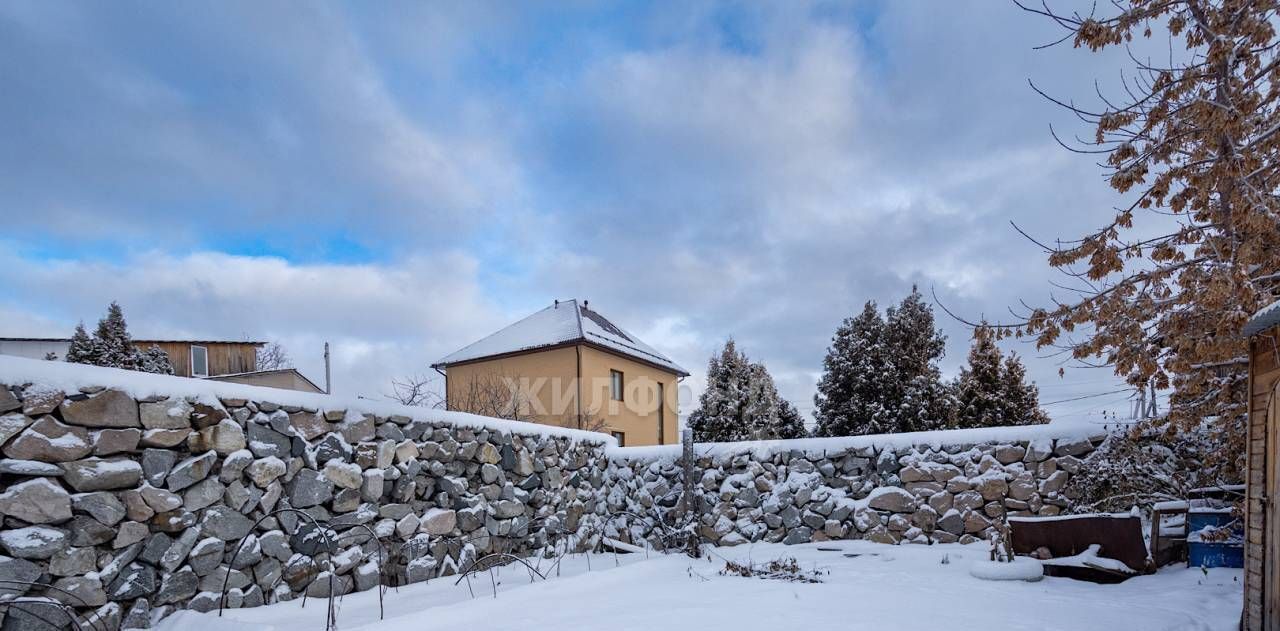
x=139, y=340
x=563, y=323
x=1264, y=319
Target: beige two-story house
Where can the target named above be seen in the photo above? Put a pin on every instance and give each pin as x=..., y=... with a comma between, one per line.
x=569, y=366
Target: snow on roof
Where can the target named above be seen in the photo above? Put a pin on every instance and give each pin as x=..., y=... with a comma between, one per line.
x=1264, y=319
x=258, y=373
x=561, y=323
x=68, y=377
x=137, y=340
x=250, y=373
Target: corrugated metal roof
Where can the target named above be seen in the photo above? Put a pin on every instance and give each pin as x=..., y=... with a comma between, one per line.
x=560, y=323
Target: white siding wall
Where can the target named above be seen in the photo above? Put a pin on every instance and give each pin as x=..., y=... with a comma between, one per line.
x=33, y=349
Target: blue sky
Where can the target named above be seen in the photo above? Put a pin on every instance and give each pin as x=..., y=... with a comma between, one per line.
x=401, y=178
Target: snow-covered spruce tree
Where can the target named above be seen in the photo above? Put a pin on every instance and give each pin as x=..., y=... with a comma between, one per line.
x=154, y=360
x=1023, y=398
x=881, y=375
x=741, y=402
x=115, y=347
x=759, y=410
x=992, y=390
x=715, y=419
x=790, y=424
x=81, y=350
x=111, y=346
x=918, y=399
x=855, y=372
x=927, y=403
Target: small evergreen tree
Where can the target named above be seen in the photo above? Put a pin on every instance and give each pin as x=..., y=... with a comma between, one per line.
x=82, y=349
x=111, y=346
x=992, y=390
x=112, y=337
x=741, y=402
x=154, y=360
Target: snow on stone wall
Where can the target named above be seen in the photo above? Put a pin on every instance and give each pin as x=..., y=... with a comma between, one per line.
x=131, y=493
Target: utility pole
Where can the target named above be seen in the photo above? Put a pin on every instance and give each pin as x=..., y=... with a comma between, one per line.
x=327, y=383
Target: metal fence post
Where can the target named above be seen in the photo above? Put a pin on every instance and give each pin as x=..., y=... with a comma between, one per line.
x=688, y=505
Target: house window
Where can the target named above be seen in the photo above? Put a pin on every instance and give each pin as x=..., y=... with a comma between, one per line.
x=662, y=417
x=199, y=361
x=621, y=437
x=615, y=385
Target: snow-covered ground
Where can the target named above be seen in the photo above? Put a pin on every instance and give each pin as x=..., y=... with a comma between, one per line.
x=866, y=586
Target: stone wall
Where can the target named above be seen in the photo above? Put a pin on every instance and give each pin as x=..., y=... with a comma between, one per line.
x=125, y=496
x=130, y=506
x=941, y=487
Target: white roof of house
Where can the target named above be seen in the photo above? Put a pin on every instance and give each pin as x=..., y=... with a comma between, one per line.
x=561, y=323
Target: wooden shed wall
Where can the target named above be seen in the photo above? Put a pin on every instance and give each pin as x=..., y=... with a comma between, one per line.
x=1261, y=591
x=224, y=357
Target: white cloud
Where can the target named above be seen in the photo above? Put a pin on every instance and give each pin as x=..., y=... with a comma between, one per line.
x=766, y=193
x=692, y=185
x=266, y=116
x=382, y=320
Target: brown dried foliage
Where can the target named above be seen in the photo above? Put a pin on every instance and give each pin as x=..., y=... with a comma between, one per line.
x=1162, y=292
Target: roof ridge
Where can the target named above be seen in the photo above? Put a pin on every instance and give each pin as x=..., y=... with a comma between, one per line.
x=577, y=312
x=637, y=349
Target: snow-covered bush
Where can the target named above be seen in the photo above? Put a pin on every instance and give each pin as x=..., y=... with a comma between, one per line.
x=1146, y=464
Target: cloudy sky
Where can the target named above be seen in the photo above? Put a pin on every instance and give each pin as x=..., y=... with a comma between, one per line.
x=401, y=179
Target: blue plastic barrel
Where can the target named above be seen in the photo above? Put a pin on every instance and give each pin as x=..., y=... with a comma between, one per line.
x=1228, y=553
